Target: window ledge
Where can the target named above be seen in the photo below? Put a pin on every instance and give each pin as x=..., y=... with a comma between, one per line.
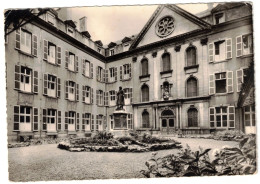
x=86, y=76
x=111, y=82
x=126, y=79
x=191, y=67
x=52, y=97
x=215, y=62
x=144, y=76
x=25, y=53
x=245, y=56
x=72, y=71
x=86, y=103
x=166, y=72
x=220, y=94
x=71, y=100
x=54, y=64
x=25, y=92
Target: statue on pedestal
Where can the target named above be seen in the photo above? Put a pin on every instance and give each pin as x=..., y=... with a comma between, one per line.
x=120, y=101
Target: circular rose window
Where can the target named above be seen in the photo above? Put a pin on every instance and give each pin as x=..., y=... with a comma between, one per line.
x=165, y=26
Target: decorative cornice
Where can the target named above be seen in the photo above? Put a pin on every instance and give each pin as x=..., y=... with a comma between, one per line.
x=204, y=41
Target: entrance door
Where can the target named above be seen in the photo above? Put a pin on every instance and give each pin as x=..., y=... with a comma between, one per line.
x=167, y=122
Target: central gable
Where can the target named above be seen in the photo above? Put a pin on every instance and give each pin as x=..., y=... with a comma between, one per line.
x=168, y=21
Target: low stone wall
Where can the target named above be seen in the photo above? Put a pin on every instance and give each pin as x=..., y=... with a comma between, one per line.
x=119, y=148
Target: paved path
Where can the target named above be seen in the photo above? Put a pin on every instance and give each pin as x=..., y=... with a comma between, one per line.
x=47, y=162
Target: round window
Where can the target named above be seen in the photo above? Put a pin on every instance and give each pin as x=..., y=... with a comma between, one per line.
x=165, y=26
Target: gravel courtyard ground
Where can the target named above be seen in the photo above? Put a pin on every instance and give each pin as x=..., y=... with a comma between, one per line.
x=47, y=162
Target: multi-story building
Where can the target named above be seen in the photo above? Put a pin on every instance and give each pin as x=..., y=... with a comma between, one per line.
x=182, y=72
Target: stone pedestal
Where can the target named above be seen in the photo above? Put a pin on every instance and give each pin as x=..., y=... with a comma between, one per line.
x=120, y=120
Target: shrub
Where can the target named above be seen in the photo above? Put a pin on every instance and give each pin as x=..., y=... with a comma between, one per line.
x=104, y=135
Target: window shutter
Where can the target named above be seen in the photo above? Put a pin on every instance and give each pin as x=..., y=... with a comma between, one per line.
x=121, y=72
x=66, y=121
x=18, y=38
x=77, y=63
x=83, y=121
x=92, y=122
x=231, y=116
x=83, y=93
x=97, y=97
x=45, y=84
x=92, y=96
x=97, y=125
x=212, y=116
x=45, y=50
x=230, y=81
x=17, y=76
x=34, y=45
x=130, y=70
x=66, y=59
x=59, y=121
x=229, y=48
x=239, y=46
x=44, y=119
x=77, y=122
x=16, y=117
x=115, y=73
x=58, y=87
x=66, y=90
x=103, y=75
x=35, y=81
x=240, y=79
x=83, y=67
x=97, y=74
x=106, y=98
x=211, y=84
x=211, y=52
x=58, y=55
x=35, y=119
x=131, y=95
x=77, y=92
x=91, y=70
x=106, y=76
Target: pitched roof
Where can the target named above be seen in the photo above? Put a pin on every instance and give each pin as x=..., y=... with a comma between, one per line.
x=174, y=8
x=70, y=23
x=225, y=6
x=99, y=42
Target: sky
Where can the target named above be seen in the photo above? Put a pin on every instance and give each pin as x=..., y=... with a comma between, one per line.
x=113, y=23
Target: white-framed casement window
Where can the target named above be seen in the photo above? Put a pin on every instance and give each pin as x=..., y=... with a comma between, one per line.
x=72, y=91
x=112, y=98
x=86, y=94
x=244, y=45
x=130, y=121
x=26, y=79
x=111, y=117
x=71, y=61
x=51, y=19
x=71, y=64
x=249, y=119
x=112, y=74
x=222, y=117
x=71, y=120
x=125, y=71
x=220, y=50
x=241, y=75
x=51, y=53
x=219, y=18
x=128, y=95
x=111, y=52
x=23, y=118
x=220, y=83
x=26, y=41
x=70, y=31
x=51, y=85
x=92, y=125
x=86, y=119
x=99, y=122
x=100, y=74
x=86, y=68
x=100, y=98
x=99, y=50
x=51, y=120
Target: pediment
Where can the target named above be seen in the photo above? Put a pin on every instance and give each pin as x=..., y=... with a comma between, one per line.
x=166, y=22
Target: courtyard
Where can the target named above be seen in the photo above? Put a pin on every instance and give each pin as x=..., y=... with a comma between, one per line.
x=47, y=162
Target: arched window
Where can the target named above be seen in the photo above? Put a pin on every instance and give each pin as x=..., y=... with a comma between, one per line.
x=145, y=120
x=166, y=62
x=145, y=93
x=192, y=117
x=191, y=56
x=192, y=87
x=144, y=67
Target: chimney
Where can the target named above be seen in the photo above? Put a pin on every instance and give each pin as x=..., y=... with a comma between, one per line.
x=83, y=24
x=65, y=13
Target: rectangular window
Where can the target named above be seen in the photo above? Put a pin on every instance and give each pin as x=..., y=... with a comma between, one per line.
x=247, y=44
x=87, y=68
x=71, y=120
x=100, y=74
x=112, y=52
x=26, y=79
x=220, y=50
x=126, y=71
x=86, y=119
x=70, y=31
x=100, y=98
x=51, y=19
x=130, y=121
x=71, y=64
x=51, y=116
x=241, y=77
x=222, y=117
x=26, y=42
x=127, y=93
x=86, y=94
x=111, y=74
x=99, y=122
x=112, y=95
x=249, y=115
x=111, y=122
x=219, y=18
x=23, y=118
x=220, y=82
x=51, y=86
x=71, y=90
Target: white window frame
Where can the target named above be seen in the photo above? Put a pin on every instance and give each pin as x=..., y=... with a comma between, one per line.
x=220, y=79
x=100, y=97
x=26, y=42
x=127, y=96
x=26, y=87
x=223, y=19
x=70, y=31
x=126, y=71
x=71, y=117
x=71, y=64
x=87, y=69
x=52, y=92
x=87, y=94
x=25, y=114
x=251, y=113
x=71, y=91
x=51, y=19
x=111, y=52
x=50, y=116
x=112, y=77
x=112, y=122
x=228, y=114
x=112, y=98
x=100, y=74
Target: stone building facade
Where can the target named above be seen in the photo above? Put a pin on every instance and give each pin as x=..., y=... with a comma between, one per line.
x=182, y=72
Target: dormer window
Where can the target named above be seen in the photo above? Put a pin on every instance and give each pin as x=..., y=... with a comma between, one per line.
x=111, y=52
x=51, y=19
x=70, y=31
x=219, y=18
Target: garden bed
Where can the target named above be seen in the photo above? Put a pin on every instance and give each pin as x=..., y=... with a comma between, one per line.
x=105, y=142
x=39, y=141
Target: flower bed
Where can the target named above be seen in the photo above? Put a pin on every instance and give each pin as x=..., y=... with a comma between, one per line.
x=105, y=142
x=38, y=141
